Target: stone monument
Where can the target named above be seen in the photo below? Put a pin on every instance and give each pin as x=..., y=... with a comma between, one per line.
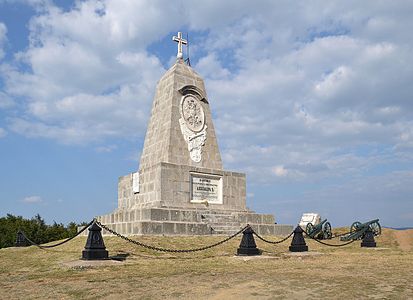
x=181, y=186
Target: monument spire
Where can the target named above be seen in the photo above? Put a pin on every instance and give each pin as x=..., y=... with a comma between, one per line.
x=181, y=41
x=181, y=186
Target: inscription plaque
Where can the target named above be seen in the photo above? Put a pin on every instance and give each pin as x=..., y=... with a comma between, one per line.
x=206, y=188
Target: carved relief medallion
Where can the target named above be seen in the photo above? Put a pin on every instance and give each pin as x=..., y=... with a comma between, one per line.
x=193, y=113
x=192, y=123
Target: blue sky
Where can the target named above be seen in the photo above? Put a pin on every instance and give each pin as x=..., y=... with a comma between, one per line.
x=312, y=100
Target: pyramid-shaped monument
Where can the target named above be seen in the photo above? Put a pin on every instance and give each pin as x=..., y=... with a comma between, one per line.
x=181, y=186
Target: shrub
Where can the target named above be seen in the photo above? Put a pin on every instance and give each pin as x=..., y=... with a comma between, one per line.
x=35, y=229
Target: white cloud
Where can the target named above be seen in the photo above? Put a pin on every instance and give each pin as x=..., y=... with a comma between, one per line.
x=296, y=87
x=3, y=132
x=32, y=199
x=333, y=82
x=85, y=84
x=106, y=149
x=280, y=171
x=212, y=67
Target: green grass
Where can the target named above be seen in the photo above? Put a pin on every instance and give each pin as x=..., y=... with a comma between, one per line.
x=349, y=272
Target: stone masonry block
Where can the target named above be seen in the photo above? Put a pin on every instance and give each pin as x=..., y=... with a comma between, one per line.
x=180, y=228
x=197, y=229
x=266, y=229
x=175, y=215
x=160, y=215
x=146, y=214
x=269, y=219
x=253, y=218
x=168, y=228
x=151, y=228
x=188, y=216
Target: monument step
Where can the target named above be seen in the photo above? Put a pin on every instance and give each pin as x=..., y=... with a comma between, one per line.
x=225, y=232
x=221, y=222
x=218, y=218
x=217, y=215
x=225, y=228
x=224, y=224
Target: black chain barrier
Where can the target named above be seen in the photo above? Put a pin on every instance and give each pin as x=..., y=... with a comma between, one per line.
x=183, y=250
x=60, y=243
x=340, y=235
x=326, y=244
x=169, y=250
x=273, y=242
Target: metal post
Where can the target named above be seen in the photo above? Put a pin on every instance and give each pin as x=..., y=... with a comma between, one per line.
x=247, y=245
x=20, y=240
x=298, y=243
x=368, y=239
x=95, y=247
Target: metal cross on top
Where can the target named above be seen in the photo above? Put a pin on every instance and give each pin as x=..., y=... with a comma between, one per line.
x=180, y=42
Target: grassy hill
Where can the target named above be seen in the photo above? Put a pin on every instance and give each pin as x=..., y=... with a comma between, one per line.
x=348, y=272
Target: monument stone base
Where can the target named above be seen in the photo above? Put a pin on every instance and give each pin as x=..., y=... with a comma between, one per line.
x=163, y=206
x=170, y=221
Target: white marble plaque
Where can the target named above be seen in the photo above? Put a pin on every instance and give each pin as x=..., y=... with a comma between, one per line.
x=206, y=188
x=135, y=182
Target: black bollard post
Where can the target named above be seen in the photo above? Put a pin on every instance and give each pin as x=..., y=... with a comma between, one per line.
x=247, y=245
x=20, y=240
x=298, y=243
x=95, y=247
x=368, y=239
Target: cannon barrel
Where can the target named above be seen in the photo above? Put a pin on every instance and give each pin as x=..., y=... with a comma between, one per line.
x=362, y=226
x=319, y=226
x=370, y=222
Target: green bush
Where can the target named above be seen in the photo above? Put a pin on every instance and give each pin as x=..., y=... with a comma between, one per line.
x=35, y=229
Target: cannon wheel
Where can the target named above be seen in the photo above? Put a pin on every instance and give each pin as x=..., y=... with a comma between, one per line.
x=376, y=228
x=309, y=228
x=327, y=234
x=355, y=226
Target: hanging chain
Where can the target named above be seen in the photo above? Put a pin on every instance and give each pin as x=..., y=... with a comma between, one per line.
x=272, y=242
x=340, y=235
x=169, y=250
x=60, y=243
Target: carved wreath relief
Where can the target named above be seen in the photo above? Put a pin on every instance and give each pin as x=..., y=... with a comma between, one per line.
x=193, y=126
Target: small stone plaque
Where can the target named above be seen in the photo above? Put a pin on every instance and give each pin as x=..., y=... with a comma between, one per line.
x=206, y=188
x=135, y=182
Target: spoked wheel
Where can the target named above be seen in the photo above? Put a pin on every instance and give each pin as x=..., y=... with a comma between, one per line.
x=327, y=234
x=309, y=229
x=376, y=228
x=355, y=226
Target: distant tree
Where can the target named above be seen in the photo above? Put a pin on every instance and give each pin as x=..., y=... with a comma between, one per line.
x=35, y=229
x=72, y=228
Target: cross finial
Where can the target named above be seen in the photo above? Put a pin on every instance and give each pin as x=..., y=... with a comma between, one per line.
x=180, y=42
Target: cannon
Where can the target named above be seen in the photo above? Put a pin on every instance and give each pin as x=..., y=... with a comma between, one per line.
x=320, y=231
x=358, y=230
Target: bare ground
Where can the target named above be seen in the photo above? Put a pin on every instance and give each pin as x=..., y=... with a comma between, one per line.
x=348, y=272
